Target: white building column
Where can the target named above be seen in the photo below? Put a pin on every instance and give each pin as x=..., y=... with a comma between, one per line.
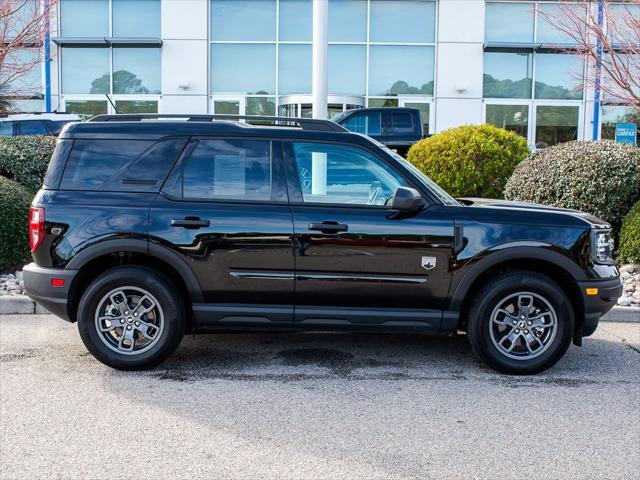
x=459, y=63
x=185, y=51
x=320, y=58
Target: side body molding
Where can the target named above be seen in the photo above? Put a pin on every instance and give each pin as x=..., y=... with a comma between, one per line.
x=505, y=253
x=144, y=247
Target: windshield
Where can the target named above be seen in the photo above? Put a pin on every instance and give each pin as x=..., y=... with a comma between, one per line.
x=430, y=184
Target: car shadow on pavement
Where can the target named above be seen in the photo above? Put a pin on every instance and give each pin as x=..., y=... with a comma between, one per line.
x=300, y=356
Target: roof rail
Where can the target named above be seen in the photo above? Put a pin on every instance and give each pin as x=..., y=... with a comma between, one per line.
x=303, y=123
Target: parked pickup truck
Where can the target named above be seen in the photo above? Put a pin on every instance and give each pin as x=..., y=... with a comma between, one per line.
x=397, y=128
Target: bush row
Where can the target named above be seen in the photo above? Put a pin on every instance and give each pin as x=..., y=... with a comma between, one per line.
x=23, y=163
x=14, y=212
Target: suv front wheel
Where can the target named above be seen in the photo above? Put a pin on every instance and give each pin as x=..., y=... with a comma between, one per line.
x=521, y=323
x=131, y=318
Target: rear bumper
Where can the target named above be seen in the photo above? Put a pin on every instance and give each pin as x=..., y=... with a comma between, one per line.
x=37, y=282
x=595, y=306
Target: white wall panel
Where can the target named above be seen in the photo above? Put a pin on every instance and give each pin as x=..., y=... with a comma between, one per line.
x=184, y=19
x=184, y=104
x=453, y=112
x=461, y=21
x=184, y=62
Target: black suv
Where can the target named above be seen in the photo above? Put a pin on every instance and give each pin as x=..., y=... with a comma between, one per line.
x=146, y=230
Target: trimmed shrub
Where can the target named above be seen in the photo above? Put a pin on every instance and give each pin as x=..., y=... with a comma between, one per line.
x=25, y=159
x=473, y=161
x=14, y=219
x=630, y=236
x=601, y=178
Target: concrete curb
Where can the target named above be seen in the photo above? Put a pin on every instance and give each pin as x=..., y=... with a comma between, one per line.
x=23, y=305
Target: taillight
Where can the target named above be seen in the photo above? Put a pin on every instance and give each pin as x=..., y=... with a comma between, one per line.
x=36, y=227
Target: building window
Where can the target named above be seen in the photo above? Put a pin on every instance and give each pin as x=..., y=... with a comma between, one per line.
x=294, y=69
x=136, y=71
x=556, y=124
x=507, y=75
x=87, y=108
x=556, y=76
x=247, y=20
x=129, y=18
x=243, y=68
x=614, y=114
x=509, y=22
x=347, y=20
x=137, y=106
x=403, y=21
x=347, y=67
x=136, y=18
x=296, y=20
x=514, y=118
x=397, y=70
x=84, y=18
x=549, y=34
x=85, y=70
x=253, y=54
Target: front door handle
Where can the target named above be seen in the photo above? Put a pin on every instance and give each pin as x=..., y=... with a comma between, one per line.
x=189, y=222
x=329, y=226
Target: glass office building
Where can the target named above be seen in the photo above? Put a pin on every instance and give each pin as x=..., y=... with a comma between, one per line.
x=459, y=61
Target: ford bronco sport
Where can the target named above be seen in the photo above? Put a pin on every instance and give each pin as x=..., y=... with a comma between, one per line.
x=148, y=227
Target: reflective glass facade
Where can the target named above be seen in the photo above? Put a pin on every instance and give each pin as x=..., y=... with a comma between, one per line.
x=254, y=57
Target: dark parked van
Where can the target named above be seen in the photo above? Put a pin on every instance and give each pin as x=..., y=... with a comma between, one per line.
x=146, y=230
x=397, y=128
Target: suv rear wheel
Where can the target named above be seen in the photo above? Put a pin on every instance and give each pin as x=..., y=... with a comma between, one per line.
x=131, y=318
x=521, y=323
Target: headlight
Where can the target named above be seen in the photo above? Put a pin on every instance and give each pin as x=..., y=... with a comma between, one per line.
x=602, y=246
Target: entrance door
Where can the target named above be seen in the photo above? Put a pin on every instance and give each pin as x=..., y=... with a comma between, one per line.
x=359, y=262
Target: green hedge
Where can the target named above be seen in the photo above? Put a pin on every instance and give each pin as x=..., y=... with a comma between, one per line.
x=473, y=161
x=601, y=178
x=25, y=159
x=14, y=239
x=630, y=236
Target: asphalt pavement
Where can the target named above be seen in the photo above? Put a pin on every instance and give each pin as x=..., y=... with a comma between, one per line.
x=314, y=406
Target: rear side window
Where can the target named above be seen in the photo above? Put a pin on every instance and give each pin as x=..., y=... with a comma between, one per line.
x=32, y=127
x=6, y=129
x=228, y=170
x=367, y=123
x=120, y=165
x=401, y=122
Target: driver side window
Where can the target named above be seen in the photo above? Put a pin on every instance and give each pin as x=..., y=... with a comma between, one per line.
x=343, y=174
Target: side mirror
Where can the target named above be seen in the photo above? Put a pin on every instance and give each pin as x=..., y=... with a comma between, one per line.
x=406, y=199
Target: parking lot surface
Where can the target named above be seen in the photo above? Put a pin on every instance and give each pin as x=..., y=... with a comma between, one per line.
x=314, y=406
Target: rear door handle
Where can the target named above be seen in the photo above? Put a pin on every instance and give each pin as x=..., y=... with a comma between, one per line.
x=328, y=226
x=189, y=222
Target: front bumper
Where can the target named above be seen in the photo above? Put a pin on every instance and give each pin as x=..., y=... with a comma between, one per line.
x=595, y=306
x=38, y=283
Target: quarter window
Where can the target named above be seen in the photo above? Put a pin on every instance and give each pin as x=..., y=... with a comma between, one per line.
x=228, y=169
x=342, y=174
x=33, y=128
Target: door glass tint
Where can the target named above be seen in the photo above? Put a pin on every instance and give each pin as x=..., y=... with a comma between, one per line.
x=401, y=122
x=514, y=118
x=341, y=174
x=228, y=169
x=33, y=128
x=556, y=124
x=367, y=123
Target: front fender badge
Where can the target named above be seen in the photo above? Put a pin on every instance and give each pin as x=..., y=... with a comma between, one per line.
x=428, y=263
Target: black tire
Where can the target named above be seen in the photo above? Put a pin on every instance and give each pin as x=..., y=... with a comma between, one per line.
x=171, y=307
x=512, y=286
